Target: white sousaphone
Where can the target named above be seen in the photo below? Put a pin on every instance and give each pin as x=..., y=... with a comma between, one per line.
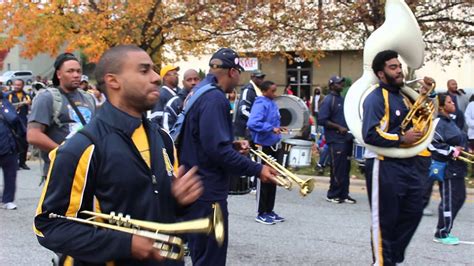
x=400, y=32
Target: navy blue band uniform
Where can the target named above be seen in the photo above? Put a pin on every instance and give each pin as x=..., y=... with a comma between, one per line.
x=128, y=169
x=340, y=145
x=453, y=188
x=395, y=193
x=207, y=141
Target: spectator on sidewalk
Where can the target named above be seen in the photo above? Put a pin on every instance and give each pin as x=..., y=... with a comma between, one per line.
x=10, y=128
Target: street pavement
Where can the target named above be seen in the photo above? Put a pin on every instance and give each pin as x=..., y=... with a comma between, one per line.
x=316, y=232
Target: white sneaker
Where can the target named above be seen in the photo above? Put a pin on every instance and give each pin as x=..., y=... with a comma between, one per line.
x=9, y=206
x=428, y=212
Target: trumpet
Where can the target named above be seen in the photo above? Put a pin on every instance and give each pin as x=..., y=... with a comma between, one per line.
x=286, y=177
x=465, y=157
x=166, y=244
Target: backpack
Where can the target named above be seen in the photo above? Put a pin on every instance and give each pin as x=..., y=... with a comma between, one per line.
x=188, y=104
x=58, y=102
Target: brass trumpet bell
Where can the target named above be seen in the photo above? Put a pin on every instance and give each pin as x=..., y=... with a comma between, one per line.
x=166, y=244
x=285, y=177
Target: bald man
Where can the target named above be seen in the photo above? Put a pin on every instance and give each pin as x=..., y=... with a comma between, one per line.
x=175, y=105
x=457, y=95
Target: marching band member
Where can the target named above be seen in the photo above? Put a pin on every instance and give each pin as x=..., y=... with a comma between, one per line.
x=208, y=142
x=447, y=142
x=395, y=193
x=119, y=162
x=339, y=140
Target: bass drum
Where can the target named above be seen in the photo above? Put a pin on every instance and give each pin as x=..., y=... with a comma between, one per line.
x=294, y=115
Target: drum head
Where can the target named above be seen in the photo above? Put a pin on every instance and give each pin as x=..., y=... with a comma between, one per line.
x=294, y=114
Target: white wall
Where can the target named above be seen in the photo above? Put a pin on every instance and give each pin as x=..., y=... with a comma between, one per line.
x=462, y=72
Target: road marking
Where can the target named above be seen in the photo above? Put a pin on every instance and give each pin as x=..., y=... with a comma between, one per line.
x=467, y=242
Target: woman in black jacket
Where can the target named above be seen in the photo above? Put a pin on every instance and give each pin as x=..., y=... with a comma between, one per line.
x=447, y=143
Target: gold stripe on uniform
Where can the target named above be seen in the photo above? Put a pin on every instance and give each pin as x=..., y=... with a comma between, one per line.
x=384, y=122
x=78, y=184
x=140, y=140
x=39, y=209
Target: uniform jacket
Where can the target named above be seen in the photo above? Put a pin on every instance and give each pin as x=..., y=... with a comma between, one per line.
x=107, y=174
x=384, y=110
x=246, y=100
x=332, y=109
x=9, y=120
x=166, y=94
x=15, y=97
x=264, y=117
x=172, y=109
x=447, y=136
x=207, y=141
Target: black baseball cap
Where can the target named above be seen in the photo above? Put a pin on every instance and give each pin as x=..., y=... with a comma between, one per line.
x=59, y=62
x=225, y=58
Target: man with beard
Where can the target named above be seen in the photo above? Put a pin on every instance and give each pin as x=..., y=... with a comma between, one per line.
x=58, y=113
x=169, y=74
x=395, y=192
x=119, y=162
x=175, y=105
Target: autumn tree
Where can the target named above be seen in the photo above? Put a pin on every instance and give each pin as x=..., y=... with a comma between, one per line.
x=170, y=30
x=93, y=26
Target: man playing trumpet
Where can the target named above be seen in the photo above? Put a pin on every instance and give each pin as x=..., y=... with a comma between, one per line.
x=119, y=162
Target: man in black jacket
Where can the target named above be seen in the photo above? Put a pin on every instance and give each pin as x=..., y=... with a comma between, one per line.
x=119, y=162
x=247, y=97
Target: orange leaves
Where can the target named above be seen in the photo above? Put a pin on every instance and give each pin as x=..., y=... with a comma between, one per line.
x=195, y=27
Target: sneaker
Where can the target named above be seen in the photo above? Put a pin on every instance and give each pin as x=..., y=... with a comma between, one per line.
x=350, y=200
x=253, y=191
x=449, y=240
x=334, y=200
x=427, y=212
x=9, y=206
x=277, y=218
x=264, y=219
x=24, y=167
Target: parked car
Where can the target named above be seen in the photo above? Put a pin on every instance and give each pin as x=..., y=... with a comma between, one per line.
x=8, y=77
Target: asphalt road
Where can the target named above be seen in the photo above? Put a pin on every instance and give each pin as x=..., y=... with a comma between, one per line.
x=316, y=232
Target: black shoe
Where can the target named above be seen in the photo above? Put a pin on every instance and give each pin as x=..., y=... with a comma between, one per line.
x=24, y=167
